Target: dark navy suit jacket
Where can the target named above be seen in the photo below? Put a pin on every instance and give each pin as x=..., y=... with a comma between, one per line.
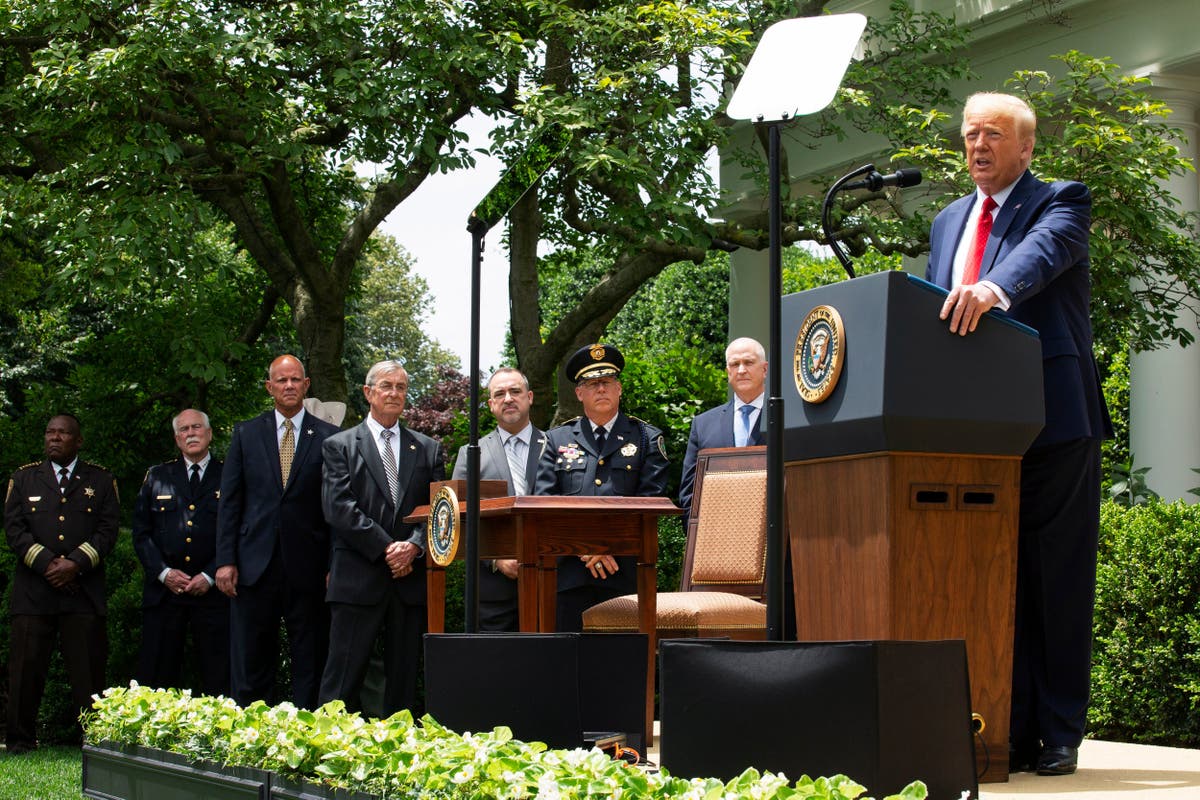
x=1038, y=254
x=713, y=428
x=174, y=527
x=257, y=514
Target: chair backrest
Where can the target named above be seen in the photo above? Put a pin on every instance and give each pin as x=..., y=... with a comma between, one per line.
x=727, y=527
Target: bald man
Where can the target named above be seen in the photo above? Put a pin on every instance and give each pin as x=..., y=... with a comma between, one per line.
x=273, y=542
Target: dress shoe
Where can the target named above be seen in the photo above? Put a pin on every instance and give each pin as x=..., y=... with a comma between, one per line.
x=1058, y=760
x=1022, y=758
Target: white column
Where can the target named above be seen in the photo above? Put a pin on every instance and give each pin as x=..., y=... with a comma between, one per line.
x=1164, y=384
x=749, y=304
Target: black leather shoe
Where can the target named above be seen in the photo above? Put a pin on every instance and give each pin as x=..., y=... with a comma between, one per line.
x=1022, y=758
x=1058, y=760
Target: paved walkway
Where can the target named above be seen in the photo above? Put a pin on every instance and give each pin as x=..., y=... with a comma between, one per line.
x=1108, y=771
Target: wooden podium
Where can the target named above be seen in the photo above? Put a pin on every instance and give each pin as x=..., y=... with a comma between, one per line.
x=903, y=485
x=537, y=530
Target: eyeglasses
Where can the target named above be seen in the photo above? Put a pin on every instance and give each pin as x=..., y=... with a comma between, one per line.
x=388, y=388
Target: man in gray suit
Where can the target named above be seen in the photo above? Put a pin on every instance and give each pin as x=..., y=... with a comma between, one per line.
x=375, y=474
x=510, y=453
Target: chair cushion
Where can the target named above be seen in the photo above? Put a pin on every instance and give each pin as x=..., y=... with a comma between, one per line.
x=683, y=614
x=731, y=540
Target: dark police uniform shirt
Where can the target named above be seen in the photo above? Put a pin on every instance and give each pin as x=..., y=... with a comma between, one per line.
x=176, y=527
x=42, y=523
x=633, y=463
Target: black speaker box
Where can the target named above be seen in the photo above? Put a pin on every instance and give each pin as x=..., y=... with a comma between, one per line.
x=883, y=713
x=546, y=687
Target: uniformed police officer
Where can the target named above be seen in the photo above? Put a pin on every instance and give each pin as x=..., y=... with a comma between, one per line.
x=603, y=453
x=60, y=519
x=175, y=535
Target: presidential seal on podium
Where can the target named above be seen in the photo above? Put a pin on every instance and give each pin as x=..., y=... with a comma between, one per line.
x=444, y=528
x=819, y=354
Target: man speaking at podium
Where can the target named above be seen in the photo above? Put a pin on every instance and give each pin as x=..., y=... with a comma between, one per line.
x=1020, y=245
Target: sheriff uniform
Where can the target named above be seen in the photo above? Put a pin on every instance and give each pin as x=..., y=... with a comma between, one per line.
x=632, y=462
x=43, y=522
x=175, y=527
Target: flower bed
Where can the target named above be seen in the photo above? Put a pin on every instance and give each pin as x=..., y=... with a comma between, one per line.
x=314, y=753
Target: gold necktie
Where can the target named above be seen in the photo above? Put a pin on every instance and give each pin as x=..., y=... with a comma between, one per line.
x=287, y=448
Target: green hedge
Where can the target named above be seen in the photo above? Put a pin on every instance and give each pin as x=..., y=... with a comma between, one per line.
x=1146, y=662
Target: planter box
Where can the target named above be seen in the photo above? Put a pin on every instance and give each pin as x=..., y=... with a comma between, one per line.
x=284, y=789
x=118, y=772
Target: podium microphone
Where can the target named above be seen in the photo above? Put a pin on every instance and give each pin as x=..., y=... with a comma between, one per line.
x=908, y=176
x=901, y=178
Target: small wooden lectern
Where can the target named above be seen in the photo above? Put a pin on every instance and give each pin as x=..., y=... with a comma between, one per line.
x=537, y=530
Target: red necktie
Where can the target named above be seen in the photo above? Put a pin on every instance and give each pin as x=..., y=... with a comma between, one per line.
x=983, y=229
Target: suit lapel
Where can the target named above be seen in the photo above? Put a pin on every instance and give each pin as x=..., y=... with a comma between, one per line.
x=729, y=421
x=1004, y=219
x=265, y=433
x=956, y=222
x=408, y=458
x=365, y=442
x=494, y=450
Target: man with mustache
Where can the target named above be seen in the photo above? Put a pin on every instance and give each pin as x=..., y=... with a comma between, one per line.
x=60, y=519
x=175, y=536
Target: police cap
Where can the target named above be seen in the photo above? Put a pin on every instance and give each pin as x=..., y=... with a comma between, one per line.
x=594, y=361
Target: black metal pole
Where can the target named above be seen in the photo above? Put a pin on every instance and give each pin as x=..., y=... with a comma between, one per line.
x=775, y=531
x=471, y=591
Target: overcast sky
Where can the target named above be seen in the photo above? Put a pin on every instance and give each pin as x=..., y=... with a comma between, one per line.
x=432, y=226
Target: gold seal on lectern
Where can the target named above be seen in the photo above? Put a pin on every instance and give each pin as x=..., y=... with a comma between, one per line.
x=444, y=527
x=819, y=354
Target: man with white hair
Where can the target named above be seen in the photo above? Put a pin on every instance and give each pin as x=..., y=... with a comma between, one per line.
x=732, y=424
x=374, y=475
x=1021, y=246
x=175, y=536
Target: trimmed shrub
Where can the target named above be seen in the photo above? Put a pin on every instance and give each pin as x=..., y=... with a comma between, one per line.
x=1146, y=661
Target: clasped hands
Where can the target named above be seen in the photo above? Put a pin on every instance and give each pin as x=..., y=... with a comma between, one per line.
x=600, y=566
x=179, y=582
x=399, y=558
x=61, y=573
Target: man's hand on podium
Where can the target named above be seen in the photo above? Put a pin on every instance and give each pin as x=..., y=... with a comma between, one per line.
x=965, y=305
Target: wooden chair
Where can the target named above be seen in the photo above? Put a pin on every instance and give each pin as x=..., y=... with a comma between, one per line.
x=724, y=566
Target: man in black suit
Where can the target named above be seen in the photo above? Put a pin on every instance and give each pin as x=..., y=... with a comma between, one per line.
x=604, y=453
x=175, y=536
x=375, y=474
x=273, y=542
x=60, y=519
x=732, y=424
x=1021, y=245
x=510, y=453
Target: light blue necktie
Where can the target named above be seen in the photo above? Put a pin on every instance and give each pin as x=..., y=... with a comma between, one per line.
x=743, y=434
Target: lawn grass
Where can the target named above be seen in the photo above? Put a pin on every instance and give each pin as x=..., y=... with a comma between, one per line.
x=48, y=773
